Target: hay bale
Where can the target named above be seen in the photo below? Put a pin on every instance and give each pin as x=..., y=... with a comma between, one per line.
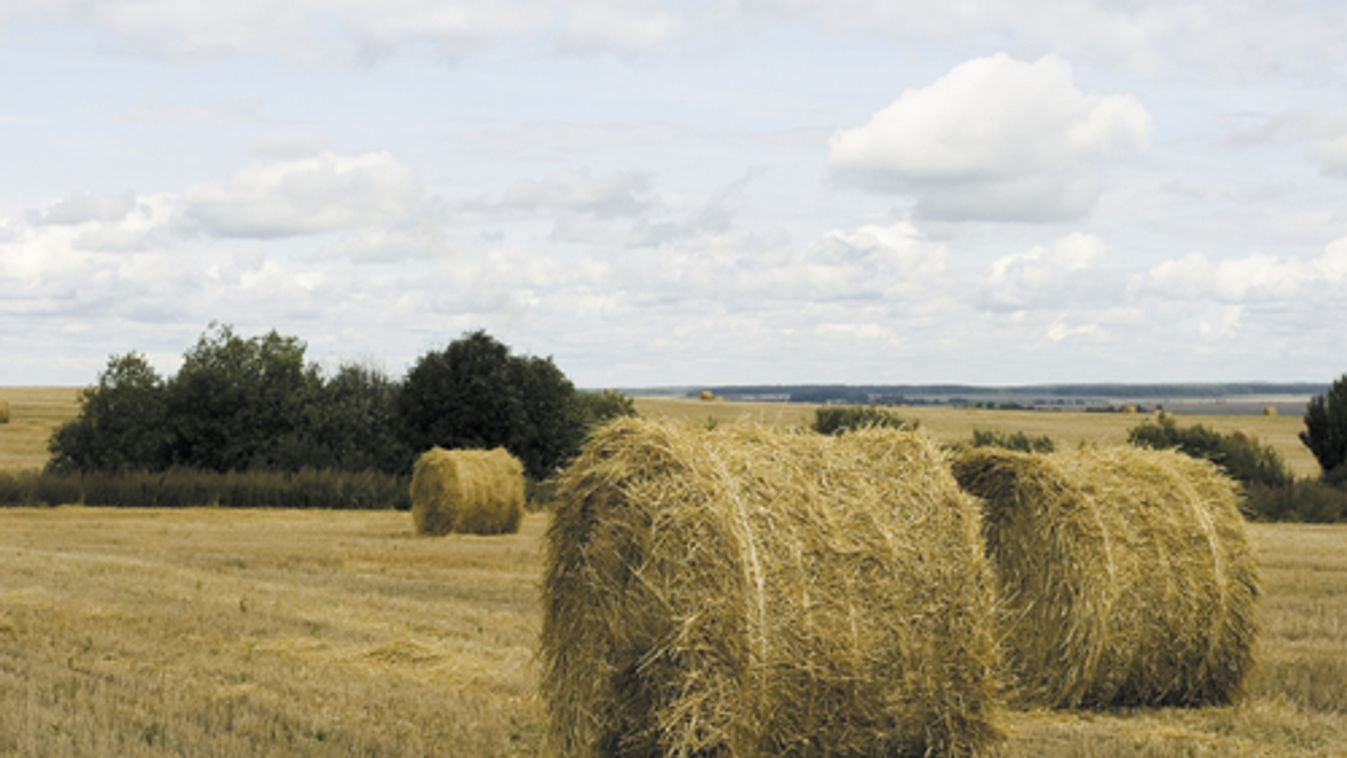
x=1269, y=410
x=1126, y=577
x=467, y=491
x=4, y=411
x=755, y=592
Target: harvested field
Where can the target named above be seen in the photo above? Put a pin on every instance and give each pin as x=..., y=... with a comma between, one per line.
x=220, y=633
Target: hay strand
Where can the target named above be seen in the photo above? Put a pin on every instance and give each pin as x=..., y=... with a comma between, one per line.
x=1125, y=574
x=751, y=592
x=467, y=491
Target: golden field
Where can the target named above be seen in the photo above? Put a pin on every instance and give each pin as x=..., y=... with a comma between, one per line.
x=212, y=632
x=215, y=632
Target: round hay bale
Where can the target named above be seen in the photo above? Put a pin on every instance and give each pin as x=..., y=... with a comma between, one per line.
x=4, y=411
x=1269, y=410
x=1126, y=577
x=758, y=592
x=467, y=491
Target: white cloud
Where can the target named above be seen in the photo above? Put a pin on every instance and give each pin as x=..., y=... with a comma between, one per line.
x=83, y=207
x=1042, y=275
x=1254, y=278
x=990, y=133
x=321, y=193
x=576, y=191
x=1330, y=155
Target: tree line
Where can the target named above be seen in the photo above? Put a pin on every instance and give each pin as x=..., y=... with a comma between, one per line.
x=257, y=403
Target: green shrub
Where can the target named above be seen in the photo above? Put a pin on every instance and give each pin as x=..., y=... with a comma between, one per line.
x=1242, y=456
x=307, y=488
x=838, y=419
x=1013, y=441
x=1326, y=430
x=1303, y=500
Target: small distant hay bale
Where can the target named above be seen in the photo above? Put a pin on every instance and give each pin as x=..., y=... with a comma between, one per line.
x=754, y=592
x=467, y=491
x=707, y=396
x=1126, y=577
x=1129, y=408
x=1269, y=410
x=4, y=411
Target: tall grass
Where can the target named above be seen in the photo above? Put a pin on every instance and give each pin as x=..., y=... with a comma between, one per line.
x=307, y=488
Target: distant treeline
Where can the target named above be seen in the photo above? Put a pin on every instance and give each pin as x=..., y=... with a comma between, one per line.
x=257, y=404
x=915, y=394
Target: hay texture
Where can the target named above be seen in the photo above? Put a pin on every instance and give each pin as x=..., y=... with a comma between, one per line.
x=1126, y=577
x=467, y=491
x=752, y=592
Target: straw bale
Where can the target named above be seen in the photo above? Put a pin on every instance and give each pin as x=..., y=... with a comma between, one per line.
x=755, y=592
x=467, y=491
x=4, y=411
x=1126, y=577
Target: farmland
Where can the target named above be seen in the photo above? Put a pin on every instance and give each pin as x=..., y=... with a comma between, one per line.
x=275, y=632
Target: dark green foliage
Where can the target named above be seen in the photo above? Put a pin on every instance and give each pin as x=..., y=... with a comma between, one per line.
x=1242, y=456
x=352, y=425
x=475, y=394
x=1013, y=441
x=597, y=408
x=1326, y=430
x=837, y=419
x=1303, y=500
x=238, y=404
x=121, y=423
x=307, y=488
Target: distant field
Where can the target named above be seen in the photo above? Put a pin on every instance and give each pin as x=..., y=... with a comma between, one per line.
x=38, y=411
x=35, y=412
x=211, y=632
x=945, y=423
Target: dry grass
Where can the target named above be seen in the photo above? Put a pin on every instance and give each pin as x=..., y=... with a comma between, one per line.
x=1067, y=428
x=207, y=632
x=748, y=591
x=1126, y=576
x=220, y=633
x=34, y=413
x=467, y=491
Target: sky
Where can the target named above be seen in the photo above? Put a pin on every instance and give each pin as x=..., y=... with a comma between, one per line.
x=696, y=193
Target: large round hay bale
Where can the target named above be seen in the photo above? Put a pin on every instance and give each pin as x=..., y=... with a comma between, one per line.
x=751, y=592
x=4, y=411
x=467, y=491
x=1126, y=577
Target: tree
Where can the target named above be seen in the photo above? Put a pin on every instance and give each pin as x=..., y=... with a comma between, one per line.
x=353, y=424
x=240, y=403
x=475, y=394
x=121, y=422
x=1326, y=430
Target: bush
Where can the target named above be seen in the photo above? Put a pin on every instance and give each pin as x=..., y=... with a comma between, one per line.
x=1242, y=456
x=1326, y=430
x=1013, y=441
x=1303, y=500
x=838, y=419
x=597, y=408
x=121, y=423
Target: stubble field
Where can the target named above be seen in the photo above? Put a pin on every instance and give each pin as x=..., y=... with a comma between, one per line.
x=212, y=632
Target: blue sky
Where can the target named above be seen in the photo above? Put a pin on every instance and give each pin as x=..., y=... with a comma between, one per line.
x=683, y=193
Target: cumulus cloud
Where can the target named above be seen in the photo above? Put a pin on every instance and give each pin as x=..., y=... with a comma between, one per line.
x=320, y=193
x=995, y=138
x=1042, y=275
x=576, y=191
x=1254, y=278
x=83, y=207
